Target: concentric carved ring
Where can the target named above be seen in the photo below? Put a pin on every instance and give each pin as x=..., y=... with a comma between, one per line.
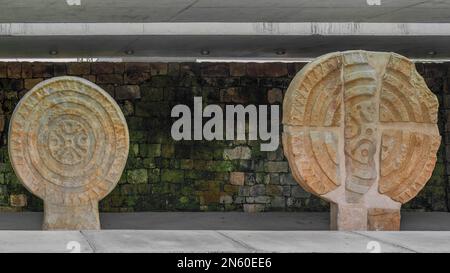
x=359, y=119
x=68, y=141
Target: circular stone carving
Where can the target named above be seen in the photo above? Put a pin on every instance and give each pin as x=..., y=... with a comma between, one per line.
x=68, y=141
x=357, y=120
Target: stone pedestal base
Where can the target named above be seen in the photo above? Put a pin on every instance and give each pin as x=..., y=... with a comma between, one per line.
x=59, y=217
x=383, y=219
x=350, y=217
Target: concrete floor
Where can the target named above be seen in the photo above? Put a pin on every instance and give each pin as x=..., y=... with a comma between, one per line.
x=223, y=232
x=219, y=241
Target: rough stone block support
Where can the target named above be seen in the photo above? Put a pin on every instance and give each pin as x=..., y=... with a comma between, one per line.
x=80, y=217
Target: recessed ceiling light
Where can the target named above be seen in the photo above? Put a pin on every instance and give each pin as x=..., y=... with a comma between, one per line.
x=432, y=53
x=53, y=52
x=204, y=52
x=129, y=52
x=73, y=2
x=373, y=2
x=280, y=51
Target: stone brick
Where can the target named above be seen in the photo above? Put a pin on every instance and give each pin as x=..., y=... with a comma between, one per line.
x=287, y=179
x=119, y=68
x=30, y=83
x=286, y=190
x=18, y=200
x=136, y=73
x=127, y=108
x=13, y=85
x=231, y=189
x=262, y=199
x=137, y=67
x=237, y=178
x=158, y=69
x=209, y=197
x=134, y=149
x=225, y=199
x=154, y=174
x=150, y=150
x=274, y=179
x=276, y=166
x=293, y=202
x=152, y=94
x=255, y=70
x=244, y=191
x=3, y=70
x=259, y=178
x=240, y=152
x=257, y=190
x=59, y=69
x=42, y=70
x=91, y=78
x=219, y=166
x=253, y=208
x=173, y=69
x=275, y=95
x=234, y=94
x=109, y=88
x=137, y=176
x=278, y=202
x=172, y=176
x=128, y=92
x=79, y=68
x=27, y=71
x=14, y=70
x=116, y=79
x=298, y=192
x=158, y=80
x=274, y=190
x=275, y=69
x=186, y=164
x=167, y=150
x=215, y=69
x=276, y=155
x=237, y=69
x=102, y=68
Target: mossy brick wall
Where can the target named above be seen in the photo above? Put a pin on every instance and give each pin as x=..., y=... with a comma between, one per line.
x=165, y=175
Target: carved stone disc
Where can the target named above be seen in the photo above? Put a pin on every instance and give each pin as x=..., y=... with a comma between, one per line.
x=359, y=123
x=68, y=141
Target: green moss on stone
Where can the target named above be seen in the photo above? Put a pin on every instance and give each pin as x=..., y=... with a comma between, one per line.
x=172, y=176
x=220, y=166
x=150, y=150
x=137, y=176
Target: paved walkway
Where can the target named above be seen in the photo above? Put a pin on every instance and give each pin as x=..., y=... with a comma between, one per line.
x=222, y=232
x=223, y=241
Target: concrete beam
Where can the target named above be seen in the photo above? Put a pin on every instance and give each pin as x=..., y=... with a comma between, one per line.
x=186, y=41
x=225, y=29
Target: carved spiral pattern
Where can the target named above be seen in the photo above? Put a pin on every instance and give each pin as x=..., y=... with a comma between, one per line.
x=68, y=141
x=373, y=103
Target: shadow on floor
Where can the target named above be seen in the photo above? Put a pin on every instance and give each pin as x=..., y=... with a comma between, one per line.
x=223, y=221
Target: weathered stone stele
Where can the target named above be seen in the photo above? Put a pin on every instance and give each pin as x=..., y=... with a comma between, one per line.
x=68, y=144
x=360, y=132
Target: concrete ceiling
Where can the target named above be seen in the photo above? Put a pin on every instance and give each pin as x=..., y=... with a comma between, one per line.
x=91, y=11
x=231, y=28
